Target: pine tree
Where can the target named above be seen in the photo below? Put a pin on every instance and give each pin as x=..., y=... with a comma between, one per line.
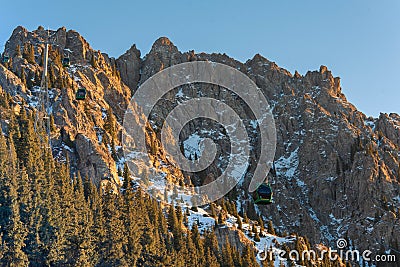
x=30, y=80
x=110, y=124
x=227, y=257
x=212, y=211
x=211, y=243
x=211, y=260
x=239, y=221
x=221, y=218
x=12, y=230
x=132, y=219
x=23, y=77
x=127, y=184
x=41, y=58
x=52, y=124
x=37, y=78
x=197, y=239
x=27, y=144
x=299, y=248
x=191, y=256
x=50, y=216
x=271, y=229
x=82, y=236
x=112, y=253
x=29, y=53
x=18, y=51
x=245, y=218
x=154, y=249
x=179, y=214
x=261, y=224
x=24, y=195
x=185, y=218
x=175, y=227
x=172, y=219
x=15, y=230
x=248, y=257
x=257, y=237
x=52, y=77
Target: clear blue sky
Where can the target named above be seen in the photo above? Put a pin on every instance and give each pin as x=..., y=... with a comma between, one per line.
x=359, y=40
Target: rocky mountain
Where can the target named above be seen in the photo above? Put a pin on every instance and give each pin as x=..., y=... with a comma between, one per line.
x=336, y=171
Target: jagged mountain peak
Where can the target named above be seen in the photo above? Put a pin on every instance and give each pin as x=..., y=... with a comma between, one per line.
x=259, y=58
x=69, y=43
x=132, y=51
x=163, y=42
x=333, y=165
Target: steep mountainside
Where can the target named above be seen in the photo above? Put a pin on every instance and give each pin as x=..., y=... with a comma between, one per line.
x=336, y=172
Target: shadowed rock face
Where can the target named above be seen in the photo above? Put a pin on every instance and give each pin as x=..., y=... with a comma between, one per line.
x=336, y=171
x=328, y=183
x=129, y=66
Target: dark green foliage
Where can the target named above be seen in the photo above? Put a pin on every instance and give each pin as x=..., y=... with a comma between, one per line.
x=52, y=125
x=51, y=217
x=221, y=218
x=271, y=229
x=29, y=53
x=41, y=63
x=211, y=243
x=261, y=224
x=257, y=237
x=37, y=78
x=7, y=65
x=227, y=254
x=239, y=222
x=110, y=124
x=245, y=218
x=248, y=256
x=212, y=211
x=30, y=81
x=23, y=77
x=52, y=77
x=127, y=177
x=18, y=50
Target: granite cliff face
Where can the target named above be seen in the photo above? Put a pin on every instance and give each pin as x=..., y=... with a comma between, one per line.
x=80, y=125
x=336, y=172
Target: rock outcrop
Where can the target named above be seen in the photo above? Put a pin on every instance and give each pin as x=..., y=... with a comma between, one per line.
x=129, y=66
x=80, y=125
x=336, y=172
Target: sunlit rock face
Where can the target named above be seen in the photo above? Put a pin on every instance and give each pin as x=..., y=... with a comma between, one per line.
x=336, y=172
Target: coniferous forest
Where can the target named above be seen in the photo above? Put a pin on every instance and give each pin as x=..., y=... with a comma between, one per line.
x=50, y=217
x=68, y=198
